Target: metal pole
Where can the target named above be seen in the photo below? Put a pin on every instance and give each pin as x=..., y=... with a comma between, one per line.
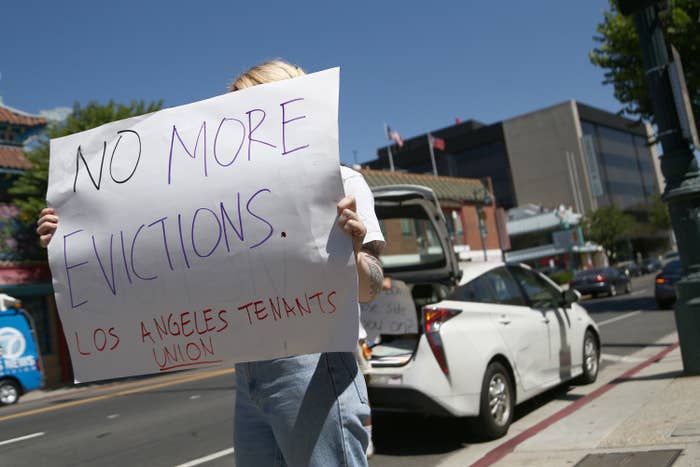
x=391, y=158
x=388, y=148
x=482, y=227
x=682, y=193
x=432, y=154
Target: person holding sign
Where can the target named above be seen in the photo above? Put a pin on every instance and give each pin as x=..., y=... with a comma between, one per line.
x=306, y=410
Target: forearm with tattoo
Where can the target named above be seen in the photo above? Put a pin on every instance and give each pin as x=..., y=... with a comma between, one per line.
x=374, y=248
x=376, y=274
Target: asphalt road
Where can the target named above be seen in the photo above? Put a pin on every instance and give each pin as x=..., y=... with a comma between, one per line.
x=186, y=419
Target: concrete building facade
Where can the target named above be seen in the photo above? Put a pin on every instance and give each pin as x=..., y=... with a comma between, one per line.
x=569, y=153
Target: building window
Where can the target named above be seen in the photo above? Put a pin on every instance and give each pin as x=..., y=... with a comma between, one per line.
x=406, y=227
x=454, y=226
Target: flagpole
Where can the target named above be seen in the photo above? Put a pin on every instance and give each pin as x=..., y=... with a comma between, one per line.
x=388, y=148
x=391, y=158
x=432, y=154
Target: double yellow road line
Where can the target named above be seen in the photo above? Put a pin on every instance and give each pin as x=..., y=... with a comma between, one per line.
x=134, y=389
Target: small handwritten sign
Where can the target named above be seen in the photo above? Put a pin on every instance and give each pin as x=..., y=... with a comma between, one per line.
x=392, y=312
x=204, y=233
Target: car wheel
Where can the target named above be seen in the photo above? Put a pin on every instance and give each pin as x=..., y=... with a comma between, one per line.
x=612, y=291
x=591, y=358
x=664, y=304
x=497, y=401
x=9, y=392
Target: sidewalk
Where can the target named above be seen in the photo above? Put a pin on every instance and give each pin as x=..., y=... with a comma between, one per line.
x=641, y=412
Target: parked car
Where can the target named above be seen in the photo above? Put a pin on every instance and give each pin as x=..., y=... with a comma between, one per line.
x=20, y=368
x=664, y=285
x=651, y=265
x=599, y=281
x=670, y=255
x=490, y=336
x=630, y=268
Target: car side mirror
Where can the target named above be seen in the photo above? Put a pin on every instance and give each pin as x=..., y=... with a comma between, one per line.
x=570, y=296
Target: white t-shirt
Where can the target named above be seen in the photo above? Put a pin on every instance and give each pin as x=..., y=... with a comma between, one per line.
x=355, y=185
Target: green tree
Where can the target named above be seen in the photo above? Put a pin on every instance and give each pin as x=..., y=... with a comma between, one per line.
x=619, y=54
x=607, y=226
x=659, y=215
x=29, y=190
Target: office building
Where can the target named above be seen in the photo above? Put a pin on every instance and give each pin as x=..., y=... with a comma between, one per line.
x=570, y=153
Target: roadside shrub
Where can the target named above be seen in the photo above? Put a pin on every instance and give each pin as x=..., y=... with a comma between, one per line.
x=562, y=277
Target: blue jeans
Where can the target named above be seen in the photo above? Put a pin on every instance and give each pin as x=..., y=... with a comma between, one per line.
x=301, y=411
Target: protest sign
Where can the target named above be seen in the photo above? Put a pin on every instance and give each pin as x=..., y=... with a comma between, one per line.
x=392, y=312
x=204, y=233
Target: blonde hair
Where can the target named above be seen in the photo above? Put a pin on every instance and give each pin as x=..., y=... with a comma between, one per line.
x=274, y=70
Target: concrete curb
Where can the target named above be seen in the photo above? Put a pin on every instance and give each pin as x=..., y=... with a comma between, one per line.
x=602, y=424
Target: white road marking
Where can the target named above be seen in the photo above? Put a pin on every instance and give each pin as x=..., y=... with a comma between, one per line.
x=22, y=438
x=195, y=396
x=620, y=358
x=112, y=416
x=208, y=458
x=618, y=318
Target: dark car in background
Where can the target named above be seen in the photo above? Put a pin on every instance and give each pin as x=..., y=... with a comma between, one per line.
x=630, y=268
x=609, y=281
x=670, y=256
x=665, y=284
x=651, y=265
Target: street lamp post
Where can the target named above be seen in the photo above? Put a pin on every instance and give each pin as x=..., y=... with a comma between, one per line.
x=482, y=228
x=680, y=170
x=481, y=215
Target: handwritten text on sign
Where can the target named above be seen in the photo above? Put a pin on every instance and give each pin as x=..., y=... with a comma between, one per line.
x=204, y=233
x=392, y=312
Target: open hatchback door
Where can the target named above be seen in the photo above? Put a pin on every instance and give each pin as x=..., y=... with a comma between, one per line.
x=420, y=261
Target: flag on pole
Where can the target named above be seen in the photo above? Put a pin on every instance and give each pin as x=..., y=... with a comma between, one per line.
x=394, y=136
x=437, y=143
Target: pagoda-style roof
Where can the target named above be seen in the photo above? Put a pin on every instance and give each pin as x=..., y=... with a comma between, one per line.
x=17, y=117
x=12, y=157
x=454, y=189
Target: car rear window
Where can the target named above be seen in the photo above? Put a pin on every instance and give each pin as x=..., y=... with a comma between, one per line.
x=672, y=268
x=477, y=290
x=411, y=241
x=594, y=272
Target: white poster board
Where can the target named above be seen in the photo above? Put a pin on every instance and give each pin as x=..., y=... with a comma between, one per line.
x=392, y=312
x=204, y=233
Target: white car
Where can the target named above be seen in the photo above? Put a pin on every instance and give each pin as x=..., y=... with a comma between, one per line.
x=489, y=335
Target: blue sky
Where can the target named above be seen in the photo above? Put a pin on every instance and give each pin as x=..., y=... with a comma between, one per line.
x=414, y=65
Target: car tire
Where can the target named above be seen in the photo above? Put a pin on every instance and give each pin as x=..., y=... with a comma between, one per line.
x=591, y=358
x=664, y=304
x=612, y=291
x=9, y=392
x=497, y=402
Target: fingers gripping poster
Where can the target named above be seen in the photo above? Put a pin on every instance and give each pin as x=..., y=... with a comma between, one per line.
x=204, y=234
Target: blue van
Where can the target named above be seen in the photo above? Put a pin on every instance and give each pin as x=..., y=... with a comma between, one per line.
x=20, y=364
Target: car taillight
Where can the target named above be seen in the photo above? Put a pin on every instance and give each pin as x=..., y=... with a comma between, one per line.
x=600, y=278
x=660, y=280
x=433, y=318
x=366, y=351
